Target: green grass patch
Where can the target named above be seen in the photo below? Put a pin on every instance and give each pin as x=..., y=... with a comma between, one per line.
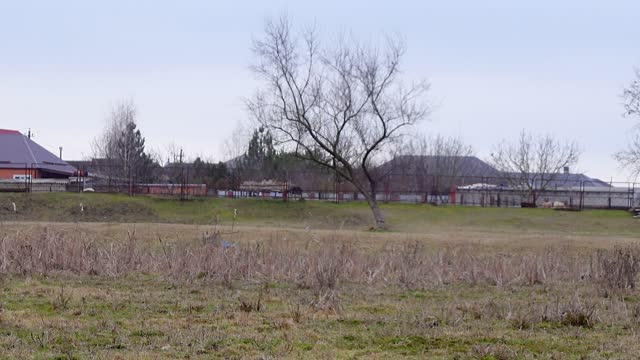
x=65, y=207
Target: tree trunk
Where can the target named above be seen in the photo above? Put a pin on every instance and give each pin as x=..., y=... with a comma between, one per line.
x=377, y=213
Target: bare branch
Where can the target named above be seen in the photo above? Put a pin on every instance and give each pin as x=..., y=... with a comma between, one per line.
x=341, y=107
x=631, y=96
x=629, y=158
x=533, y=162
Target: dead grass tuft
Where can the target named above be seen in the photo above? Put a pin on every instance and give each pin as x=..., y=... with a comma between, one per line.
x=618, y=268
x=251, y=306
x=578, y=313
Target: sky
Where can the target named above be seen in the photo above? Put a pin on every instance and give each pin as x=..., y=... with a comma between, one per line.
x=495, y=67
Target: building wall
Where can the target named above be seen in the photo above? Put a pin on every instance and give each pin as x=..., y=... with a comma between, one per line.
x=618, y=198
x=8, y=173
x=171, y=189
x=36, y=185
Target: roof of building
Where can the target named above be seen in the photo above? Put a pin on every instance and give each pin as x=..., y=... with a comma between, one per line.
x=18, y=152
x=563, y=180
x=440, y=165
x=472, y=167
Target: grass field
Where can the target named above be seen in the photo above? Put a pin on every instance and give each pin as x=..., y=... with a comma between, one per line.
x=410, y=218
x=152, y=278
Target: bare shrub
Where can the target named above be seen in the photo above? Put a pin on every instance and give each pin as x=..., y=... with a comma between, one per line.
x=524, y=318
x=534, y=272
x=61, y=302
x=296, y=313
x=251, y=306
x=330, y=265
x=490, y=309
x=40, y=339
x=578, y=313
x=410, y=260
x=618, y=268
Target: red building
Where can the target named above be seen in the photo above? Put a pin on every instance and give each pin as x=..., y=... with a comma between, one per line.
x=22, y=159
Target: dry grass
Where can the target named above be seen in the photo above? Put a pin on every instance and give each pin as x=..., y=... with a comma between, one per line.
x=498, y=238
x=319, y=263
x=166, y=291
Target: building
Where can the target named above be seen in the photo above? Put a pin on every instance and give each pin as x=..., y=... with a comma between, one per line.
x=467, y=180
x=21, y=159
x=430, y=178
x=532, y=190
x=580, y=197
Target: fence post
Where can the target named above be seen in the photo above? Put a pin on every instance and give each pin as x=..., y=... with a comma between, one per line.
x=581, y=194
x=285, y=191
x=32, y=174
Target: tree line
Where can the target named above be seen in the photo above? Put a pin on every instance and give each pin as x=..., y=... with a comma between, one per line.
x=344, y=108
x=120, y=153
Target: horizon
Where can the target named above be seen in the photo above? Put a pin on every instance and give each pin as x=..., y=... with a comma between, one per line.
x=553, y=68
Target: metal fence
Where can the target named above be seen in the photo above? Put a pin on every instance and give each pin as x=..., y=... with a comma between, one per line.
x=176, y=180
x=28, y=177
x=565, y=190
x=581, y=195
x=183, y=181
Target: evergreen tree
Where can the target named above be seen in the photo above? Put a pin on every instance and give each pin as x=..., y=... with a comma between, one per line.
x=130, y=152
x=214, y=175
x=123, y=147
x=261, y=157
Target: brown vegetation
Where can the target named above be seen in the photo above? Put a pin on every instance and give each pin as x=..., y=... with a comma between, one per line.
x=68, y=292
x=315, y=264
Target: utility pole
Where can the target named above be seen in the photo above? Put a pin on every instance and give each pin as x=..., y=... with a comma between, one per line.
x=182, y=177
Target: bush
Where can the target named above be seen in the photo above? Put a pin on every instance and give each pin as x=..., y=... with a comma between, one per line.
x=618, y=268
x=577, y=313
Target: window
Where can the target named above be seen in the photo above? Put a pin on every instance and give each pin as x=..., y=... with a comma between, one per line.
x=21, y=177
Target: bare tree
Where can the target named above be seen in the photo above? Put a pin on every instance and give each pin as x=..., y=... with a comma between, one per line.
x=630, y=156
x=532, y=162
x=172, y=154
x=342, y=107
x=235, y=146
x=174, y=164
x=631, y=95
x=122, y=145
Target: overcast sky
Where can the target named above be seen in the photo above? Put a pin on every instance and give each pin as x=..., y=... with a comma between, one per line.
x=495, y=67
